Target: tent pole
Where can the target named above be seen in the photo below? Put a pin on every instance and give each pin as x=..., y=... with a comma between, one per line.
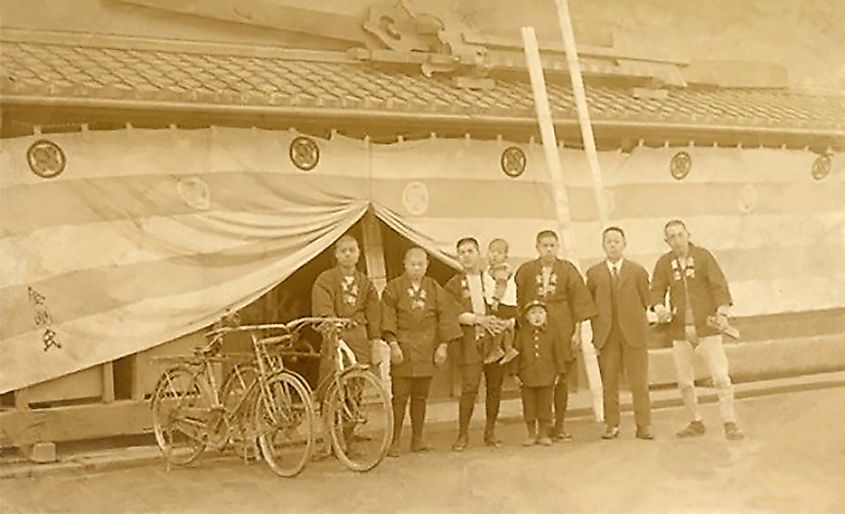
x=564, y=216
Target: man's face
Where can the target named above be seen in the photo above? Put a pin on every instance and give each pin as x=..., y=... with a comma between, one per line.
x=547, y=248
x=347, y=253
x=497, y=255
x=468, y=256
x=536, y=316
x=677, y=238
x=613, y=244
x=415, y=265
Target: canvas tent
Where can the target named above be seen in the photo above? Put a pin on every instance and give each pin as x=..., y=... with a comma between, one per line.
x=147, y=235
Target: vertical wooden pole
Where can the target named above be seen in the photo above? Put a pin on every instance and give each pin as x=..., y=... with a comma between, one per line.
x=108, y=382
x=377, y=271
x=22, y=399
x=550, y=149
x=138, y=376
x=584, y=122
x=564, y=217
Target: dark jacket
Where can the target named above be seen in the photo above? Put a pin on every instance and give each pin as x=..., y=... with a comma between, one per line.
x=632, y=301
x=707, y=288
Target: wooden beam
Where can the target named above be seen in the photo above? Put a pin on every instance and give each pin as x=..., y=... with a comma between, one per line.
x=22, y=399
x=137, y=377
x=108, y=382
x=374, y=250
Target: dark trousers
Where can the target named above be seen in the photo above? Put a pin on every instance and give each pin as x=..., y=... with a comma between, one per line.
x=561, y=396
x=470, y=380
x=537, y=404
x=415, y=388
x=615, y=356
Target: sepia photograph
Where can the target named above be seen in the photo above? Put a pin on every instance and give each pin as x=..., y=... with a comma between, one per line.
x=422, y=256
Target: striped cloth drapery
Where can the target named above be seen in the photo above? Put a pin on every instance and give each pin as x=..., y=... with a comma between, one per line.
x=150, y=234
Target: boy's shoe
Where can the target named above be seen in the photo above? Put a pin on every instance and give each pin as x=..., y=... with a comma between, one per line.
x=732, y=432
x=610, y=432
x=420, y=446
x=544, y=441
x=460, y=443
x=694, y=429
x=491, y=440
x=644, y=433
x=393, y=451
x=510, y=355
x=494, y=356
x=560, y=435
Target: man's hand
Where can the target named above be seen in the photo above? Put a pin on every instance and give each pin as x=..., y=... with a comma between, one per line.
x=558, y=378
x=396, y=355
x=663, y=314
x=576, y=340
x=517, y=380
x=440, y=355
x=375, y=351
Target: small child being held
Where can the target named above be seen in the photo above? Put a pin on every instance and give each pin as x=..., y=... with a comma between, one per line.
x=500, y=295
x=537, y=370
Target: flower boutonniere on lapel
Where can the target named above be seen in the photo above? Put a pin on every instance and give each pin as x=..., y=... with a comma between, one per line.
x=417, y=296
x=349, y=289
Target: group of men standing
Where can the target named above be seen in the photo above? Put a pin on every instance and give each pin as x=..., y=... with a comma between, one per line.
x=480, y=308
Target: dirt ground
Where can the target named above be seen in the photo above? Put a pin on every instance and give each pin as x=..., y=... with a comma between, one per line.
x=793, y=461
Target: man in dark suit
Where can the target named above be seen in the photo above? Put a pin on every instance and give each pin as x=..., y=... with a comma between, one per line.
x=620, y=290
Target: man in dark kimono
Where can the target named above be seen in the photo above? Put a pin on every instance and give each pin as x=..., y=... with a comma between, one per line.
x=479, y=322
x=700, y=302
x=417, y=322
x=557, y=283
x=345, y=292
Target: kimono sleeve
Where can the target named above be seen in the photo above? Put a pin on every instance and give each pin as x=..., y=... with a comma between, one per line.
x=448, y=328
x=659, y=281
x=716, y=281
x=322, y=297
x=372, y=309
x=454, y=295
x=580, y=300
x=558, y=349
x=389, y=315
x=521, y=287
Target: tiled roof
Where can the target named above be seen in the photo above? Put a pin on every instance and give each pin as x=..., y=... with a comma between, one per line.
x=99, y=75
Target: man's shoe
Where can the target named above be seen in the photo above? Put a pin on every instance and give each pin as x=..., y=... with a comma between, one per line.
x=694, y=429
x=420, y=446
x=491, y=440
x=494, y=356
x=460, y=443
x=560, y=435
x=644, y=433
x=529, y=441
x=732, y=432
x=510, y=355
x=544, y=441
x=610, y=432
x=393, y=451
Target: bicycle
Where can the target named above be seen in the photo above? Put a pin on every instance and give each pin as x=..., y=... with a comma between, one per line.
x=264, y=401
x=354, y=404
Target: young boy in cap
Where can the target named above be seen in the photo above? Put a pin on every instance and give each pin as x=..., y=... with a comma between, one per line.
x=538, y=369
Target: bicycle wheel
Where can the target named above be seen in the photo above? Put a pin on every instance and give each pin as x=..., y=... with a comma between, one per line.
x=180, y=414
x=284, y=420
x=232, y=393
x=360, y=420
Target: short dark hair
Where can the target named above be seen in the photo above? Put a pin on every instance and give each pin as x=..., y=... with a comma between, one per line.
x=612, y=229
x=675, y=222
x=467, y=240
x=546, y=233
x=346, y=238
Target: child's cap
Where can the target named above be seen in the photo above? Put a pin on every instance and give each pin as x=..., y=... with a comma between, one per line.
x=530, y=305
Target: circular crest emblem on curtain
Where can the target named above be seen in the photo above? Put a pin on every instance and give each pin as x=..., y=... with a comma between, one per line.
x=195, y=193
x=821, y=167
x=304, y=153
x=680, y=165
x=513, y=161
x=415, y=198
x=46, y=159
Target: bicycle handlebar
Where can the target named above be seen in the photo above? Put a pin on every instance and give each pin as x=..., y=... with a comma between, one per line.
x=290, y=328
